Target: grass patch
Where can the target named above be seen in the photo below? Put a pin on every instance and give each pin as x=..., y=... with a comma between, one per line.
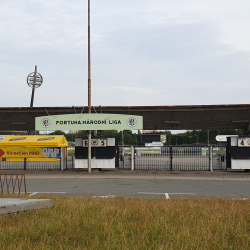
x=121, y=223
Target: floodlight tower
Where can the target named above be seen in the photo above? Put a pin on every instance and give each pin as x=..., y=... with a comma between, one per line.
x=34, y=80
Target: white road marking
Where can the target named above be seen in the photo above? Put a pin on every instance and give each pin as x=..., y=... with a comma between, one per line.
x=184, y=193
x=34, y=193
x=240, y=199
x=167, y=194
x=107, y=196
x=149, y=193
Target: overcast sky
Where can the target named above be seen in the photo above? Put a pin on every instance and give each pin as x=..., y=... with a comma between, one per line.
x=144, y=52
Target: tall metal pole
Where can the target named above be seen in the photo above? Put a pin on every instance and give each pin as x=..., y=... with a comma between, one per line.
x=122, y=149
x=32, y=94
x=33, y=89
x=89, y=89
x=208, y=137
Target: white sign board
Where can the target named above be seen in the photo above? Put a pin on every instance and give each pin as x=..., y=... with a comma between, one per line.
x=89, y=122
x=95, y=143
x=244, y=142
x=223, y=138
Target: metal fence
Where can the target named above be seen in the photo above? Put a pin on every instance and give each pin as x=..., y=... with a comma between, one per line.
x=173, y=158
x=219, y=158
x=12, y=183
x=42, y=164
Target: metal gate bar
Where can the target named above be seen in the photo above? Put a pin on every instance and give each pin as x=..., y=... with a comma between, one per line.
x=219, y=158
x=152, y=159
x=176, y=158
x=13, y=182
x=190, y=158
x=42, y=164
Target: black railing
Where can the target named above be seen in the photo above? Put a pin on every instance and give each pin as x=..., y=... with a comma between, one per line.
x=39, y=164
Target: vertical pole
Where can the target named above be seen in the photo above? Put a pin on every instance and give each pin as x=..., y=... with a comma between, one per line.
x=89, y=89
x=171, y=158
x=208, y=137
x=219, y=134
x=32, y=97
x=33, y=94
x=89, y=151
x=24, y=184
x=211, y=158
x=132, y=158
x=33, y=89
x=63, y=158
x=123, y=150
x=25, y=164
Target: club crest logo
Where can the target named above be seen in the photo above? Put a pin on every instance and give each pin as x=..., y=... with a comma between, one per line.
x=131, y=122
x=45, y=123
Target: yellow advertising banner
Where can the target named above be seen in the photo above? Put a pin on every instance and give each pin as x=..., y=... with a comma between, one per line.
x=17, y=152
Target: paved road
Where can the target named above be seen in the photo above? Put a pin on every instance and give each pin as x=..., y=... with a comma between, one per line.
x=146, y=188
x=146, y=184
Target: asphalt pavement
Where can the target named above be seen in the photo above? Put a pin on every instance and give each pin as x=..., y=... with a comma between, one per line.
x=145, y=184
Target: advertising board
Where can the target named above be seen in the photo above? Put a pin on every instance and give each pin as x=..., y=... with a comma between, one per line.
x=89, y=122
x=28, y=152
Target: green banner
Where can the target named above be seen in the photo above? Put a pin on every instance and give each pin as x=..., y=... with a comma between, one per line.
x=89, y=122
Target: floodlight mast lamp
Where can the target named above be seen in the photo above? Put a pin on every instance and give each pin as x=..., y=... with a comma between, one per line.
x=34, y=80
x=89, y=89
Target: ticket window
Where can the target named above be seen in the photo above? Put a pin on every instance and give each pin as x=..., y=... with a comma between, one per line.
x=238, y=152
x=104, y=152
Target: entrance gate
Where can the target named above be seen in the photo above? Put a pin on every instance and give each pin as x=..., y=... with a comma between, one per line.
x=173, y=158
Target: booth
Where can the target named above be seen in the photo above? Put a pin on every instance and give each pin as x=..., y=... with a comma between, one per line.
x=104, y=153
x=238, y=152
x=33, y=147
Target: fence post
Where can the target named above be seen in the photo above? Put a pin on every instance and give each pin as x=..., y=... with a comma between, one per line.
x=24, y=162
x=171, y=158
x=63, y=159
x=123, y=163
x=211, y=158
x=66, y=158
x=132, y=158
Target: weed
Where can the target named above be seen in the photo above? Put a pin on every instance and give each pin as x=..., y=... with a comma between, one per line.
x=124, y=223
